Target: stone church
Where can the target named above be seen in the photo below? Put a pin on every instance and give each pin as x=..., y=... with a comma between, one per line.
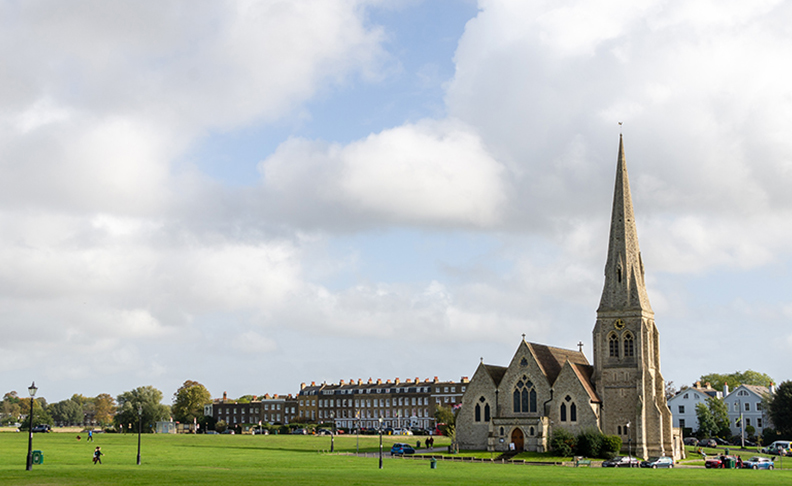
x=543, y=387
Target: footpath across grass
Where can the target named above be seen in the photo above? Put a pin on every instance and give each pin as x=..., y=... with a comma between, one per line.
x=294, y=460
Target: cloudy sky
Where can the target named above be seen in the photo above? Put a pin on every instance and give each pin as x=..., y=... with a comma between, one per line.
x=257, y=194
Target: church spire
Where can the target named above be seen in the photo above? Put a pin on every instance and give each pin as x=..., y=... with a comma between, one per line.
x=624, y=276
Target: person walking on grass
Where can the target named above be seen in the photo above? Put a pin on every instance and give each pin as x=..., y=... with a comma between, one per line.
x=90, y=436
x=97, y=456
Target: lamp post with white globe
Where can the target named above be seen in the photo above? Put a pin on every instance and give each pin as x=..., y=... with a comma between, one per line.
x=32, y=390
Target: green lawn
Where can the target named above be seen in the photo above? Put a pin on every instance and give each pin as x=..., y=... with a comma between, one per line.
x=294, y=460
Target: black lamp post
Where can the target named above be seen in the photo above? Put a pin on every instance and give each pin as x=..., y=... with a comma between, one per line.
x=32, y=390
x=629, y=438
x=140, y=419
x=332, y=433
x=380, y=434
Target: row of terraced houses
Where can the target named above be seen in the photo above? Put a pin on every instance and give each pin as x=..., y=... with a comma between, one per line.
x=347, y=404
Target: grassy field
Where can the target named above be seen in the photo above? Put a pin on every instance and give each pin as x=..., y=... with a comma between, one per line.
x=295, y=460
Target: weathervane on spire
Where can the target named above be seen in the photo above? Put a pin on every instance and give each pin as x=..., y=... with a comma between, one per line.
x=620, y=131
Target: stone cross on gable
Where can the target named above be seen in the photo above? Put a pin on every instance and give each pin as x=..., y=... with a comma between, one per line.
x=580, y=346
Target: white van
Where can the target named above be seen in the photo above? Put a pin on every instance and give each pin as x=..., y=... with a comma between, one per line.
x=779, y=448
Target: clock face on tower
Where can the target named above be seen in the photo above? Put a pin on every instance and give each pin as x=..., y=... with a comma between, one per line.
x=619, y=324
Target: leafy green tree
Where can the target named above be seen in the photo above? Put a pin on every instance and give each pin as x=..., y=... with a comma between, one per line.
x=781, y=409
x=10, y=408
x=706, y=421
x=446, y=421
x=720, y=416
x=104, y=409
x=40, y=415
x=66, y=412
x=748, y=377
x=189, y=400
x=153, y=411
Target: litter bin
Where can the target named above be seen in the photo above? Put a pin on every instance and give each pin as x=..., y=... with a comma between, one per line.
x=38, y=457
x=433, y=463
x=730, y=463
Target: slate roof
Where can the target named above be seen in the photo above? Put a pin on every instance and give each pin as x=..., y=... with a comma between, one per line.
x=551, y=359
x=495, y=372
x=584, y=373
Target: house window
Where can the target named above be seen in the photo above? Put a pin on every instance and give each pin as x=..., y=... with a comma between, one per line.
x=759, y=422
x=758, y=407
x=686, y=396
x=613, y=345
x=682, y=409
x=629, y=345
x=747, y=407
x=681, y=423
x=747, y=422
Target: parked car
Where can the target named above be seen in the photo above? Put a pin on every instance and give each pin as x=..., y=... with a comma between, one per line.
x=720, y=441
x=299, y=432
x=718, y=462
x=621, y=461
x=655, y=462
x=41, y=428
x=400, y=449
x=757, y=462
x=691, y=441
x=402, y=432
x=228, y=431
x=212, y=432
x=778, y=448
x=707, y=443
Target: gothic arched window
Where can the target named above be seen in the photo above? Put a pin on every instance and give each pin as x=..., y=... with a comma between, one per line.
x=478, y=413
x=524, y=396
x=629, y=345
x=613, y=345
x=563, y=412
x=573, y=413
x=487, y=413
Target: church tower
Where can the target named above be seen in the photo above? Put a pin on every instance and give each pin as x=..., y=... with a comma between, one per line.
x=626, y=351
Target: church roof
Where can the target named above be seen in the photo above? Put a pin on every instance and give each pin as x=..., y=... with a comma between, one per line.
x=495, y=372
x=584, y=373
x=551, y=359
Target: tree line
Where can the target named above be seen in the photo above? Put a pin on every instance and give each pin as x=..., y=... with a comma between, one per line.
x=119, y=414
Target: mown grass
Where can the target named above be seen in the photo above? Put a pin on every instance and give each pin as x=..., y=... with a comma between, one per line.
x=294, y=460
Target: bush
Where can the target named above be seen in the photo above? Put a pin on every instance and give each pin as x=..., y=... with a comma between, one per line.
x=562, y=443
x=589, y=443
x=611, y=445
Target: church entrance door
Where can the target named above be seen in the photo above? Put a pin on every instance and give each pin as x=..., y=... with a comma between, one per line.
x=518, y=439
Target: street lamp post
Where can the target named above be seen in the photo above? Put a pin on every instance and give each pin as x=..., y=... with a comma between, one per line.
x=140, y=420
x=629, y=449
x=332, y=433
x=32, y=390
x=380, y=434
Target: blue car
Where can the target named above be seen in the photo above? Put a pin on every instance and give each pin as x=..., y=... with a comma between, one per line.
x=757, y=462
x=400, y=449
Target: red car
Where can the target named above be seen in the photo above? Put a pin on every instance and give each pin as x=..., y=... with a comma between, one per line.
x=718, y=462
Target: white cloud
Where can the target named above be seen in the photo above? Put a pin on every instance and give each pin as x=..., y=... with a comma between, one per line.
x=425, y=173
